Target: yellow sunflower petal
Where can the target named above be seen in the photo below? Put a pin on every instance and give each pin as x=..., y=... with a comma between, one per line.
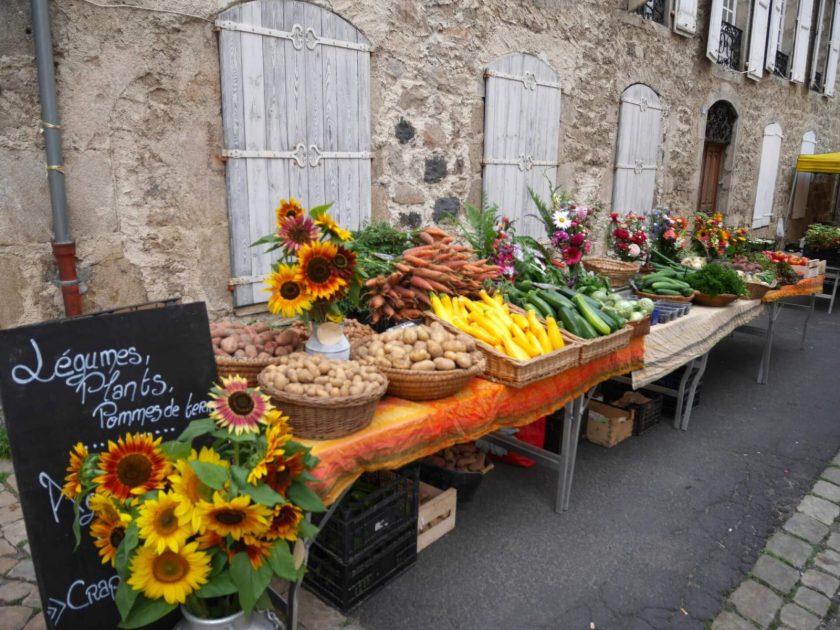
x=171, y=575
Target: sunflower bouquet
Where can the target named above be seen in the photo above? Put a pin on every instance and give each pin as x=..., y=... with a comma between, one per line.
x=316, y=269
x=205, y=525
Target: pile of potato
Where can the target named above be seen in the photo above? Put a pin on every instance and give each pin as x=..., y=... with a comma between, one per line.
x=302, y=374
x=422, y=348
x=256, y=341
x=354, y=330
x=461, y=457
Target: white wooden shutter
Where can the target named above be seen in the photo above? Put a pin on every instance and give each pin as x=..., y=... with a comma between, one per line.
x=768, y=171
x=833, y=53
x=803, y=37
x=815, y=52
x=295, y=83
x=637, y=150
x=715, y=19
x=776, y=16
x=758, y=39
x=685, y=17
x=521, y=136
x=803, y=180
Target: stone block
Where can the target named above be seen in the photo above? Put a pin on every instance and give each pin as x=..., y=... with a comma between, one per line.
x=829, y=561
x=13, y=591
x=434, y=137
x=7, y=498
x=820, y=509
x=822, y=582
x=11, y=481
x=6, y=549
x=444, y=207
x=776, y=573
x=24, y=570
x=832, y=474
x=36, y=623
x=408, y=195
x=730, y=621
x=806, y=527
x=756, y=602
x=15, y=532
x=6, y=466
x=811, y=600
x=10, y=513
x=435, y=169
x=790, y=549
x=404, y=131
x=6, y=564
x=798, y=618
x=836, y=460
x=834, y=541
x=15, y=617
x=827, y=490
x=410, y=219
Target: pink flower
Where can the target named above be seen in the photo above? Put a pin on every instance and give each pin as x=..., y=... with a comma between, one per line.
x=634, y=250
x=581, y=214
x=577, y=240
x=572, y=255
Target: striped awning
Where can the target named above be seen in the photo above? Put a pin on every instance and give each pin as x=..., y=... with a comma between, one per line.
x=820, y=163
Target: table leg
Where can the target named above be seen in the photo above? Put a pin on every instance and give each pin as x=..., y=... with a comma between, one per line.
x=563, y=470
x=678, y=413
x=773, y=311
x=577, y=417
x=292, y=605
x=700, y=365
x=807, y=319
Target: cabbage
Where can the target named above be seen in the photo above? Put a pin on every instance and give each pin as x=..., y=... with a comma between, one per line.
x=599, y=295
x=636, y=316
x=624, y=308
x=646, y=306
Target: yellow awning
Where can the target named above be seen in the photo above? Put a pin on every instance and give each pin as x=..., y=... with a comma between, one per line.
x=821, y=163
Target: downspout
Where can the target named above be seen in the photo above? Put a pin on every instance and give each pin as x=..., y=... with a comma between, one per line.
x=64, y=248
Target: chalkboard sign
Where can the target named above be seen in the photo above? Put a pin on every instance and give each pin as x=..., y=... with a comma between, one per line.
x=90, y=380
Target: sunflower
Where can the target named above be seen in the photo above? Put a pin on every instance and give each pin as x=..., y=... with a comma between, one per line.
x=132, y=466
x=276, y=437
x=317, y=272
x=236, y=517
x=104, y=508
x=326, y=221
x=258, y=550
x=159, y=524
x=237, y=407
x=172, y=574
x=188, y=488
x=288, y=208
x=288, y=294
x=107, y=535
x=296, y=231
x=211, y=540
x=285, y=523
x=281, y=473
x=344, y=262
x=73, y=481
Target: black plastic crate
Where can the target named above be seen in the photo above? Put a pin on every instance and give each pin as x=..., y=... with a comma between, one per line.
x=669, y=404
x=346, y=586
x=646, y=415
x=378, y=506
x=554, y=430
x=464, y=481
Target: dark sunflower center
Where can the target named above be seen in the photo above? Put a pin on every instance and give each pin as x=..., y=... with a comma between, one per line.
x=134, y=470
x=116, y=537
x=299, y=234
x=241, y=403
x=167, y=522
x=318, y=270
x=340, y=261
x=228, y=516
x=170, y=567
x=290, y=290
x=238, y=546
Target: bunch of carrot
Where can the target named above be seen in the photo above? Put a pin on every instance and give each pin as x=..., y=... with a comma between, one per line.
x=438, y=265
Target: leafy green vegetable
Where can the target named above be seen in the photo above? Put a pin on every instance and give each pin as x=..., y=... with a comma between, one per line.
x=479, y=229
x=821, y=236
x=715, y=279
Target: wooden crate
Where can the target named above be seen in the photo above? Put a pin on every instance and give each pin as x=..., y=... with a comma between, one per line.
x=437, y=514
x=619, y=425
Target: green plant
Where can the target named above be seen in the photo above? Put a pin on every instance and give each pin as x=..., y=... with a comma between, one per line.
x=480, y=228
x=5, y=450
x=715, y=279
x=820, y=236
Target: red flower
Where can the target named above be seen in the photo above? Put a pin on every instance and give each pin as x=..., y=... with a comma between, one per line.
x=622, y=234
x=670, y=234
x=577, y=240
x=572, y=255
x=614, y=217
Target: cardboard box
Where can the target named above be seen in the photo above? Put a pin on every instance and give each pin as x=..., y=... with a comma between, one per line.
x=608, y=425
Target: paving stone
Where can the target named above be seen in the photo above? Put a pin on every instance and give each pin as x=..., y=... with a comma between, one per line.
x=10, y=513
x=822, y=510
x=798, y=618
x=7, y=498
x=15, y=532
x=33, y=600
x=756, y=602
x=834, y=541
x=6, y=549
x=832, y=474
x=15, y=617
x=24, y=570
x=828, y=561
x=13, y=591
x=813, y=601
x=11, y=481
x=25, y=547
x=731, y=621
x=836, y=460
x=822, y=582
x=790, y=549
x=776, y=573
x=806, y=527
x=827, y=491
x=6, y=466
x=6, y=564
x=36, y=623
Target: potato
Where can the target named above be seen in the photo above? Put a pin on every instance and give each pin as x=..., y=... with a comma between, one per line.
x=450, y=355
x=304, y=375
x=401, y=364
x=409, y=335
x=423, y=366
x=454, y=345
x=463, y=360
x=229, y=344
x=443, y=364
x=251, y=351
x=434, y=349
x=419, y=356
x=422, y=333
x=239, y=354
x=294, y=388
x=357, y=389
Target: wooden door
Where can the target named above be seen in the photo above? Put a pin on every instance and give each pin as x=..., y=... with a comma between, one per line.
x=710, y=180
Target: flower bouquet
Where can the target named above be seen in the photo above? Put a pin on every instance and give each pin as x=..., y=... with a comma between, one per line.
x=568, y=226
x=710, y=236
x=207, y=525
x=628, y=238
x=667, y=233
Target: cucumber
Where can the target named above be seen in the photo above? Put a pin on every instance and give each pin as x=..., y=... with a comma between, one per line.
x=554, y=299
x=524, y=285
x=687, y=292
x=565, y=291
x=569, y=321
x=609, y=320
x=669, y=284
x=541, y=305
x=587, y=331
x=667, y=292
x=589, y=314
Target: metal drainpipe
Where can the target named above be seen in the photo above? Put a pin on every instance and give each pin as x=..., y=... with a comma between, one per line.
x=64, y=248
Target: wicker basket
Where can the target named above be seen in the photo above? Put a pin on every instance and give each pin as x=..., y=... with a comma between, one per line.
x=667, y=298
x=640, y=327
x=324, y=418
x=591, y=349
x=414, y=385
x=757, y=290
x=617, y=272
x=724, y=299
x=507, y=371
x=248, y=368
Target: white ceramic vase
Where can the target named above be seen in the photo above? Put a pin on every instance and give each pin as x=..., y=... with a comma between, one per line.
x=328, y=340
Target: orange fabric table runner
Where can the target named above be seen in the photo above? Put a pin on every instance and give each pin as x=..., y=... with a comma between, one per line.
x=404, y=431
x=806, y=286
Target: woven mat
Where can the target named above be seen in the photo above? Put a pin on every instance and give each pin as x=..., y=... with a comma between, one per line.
x=668, y=346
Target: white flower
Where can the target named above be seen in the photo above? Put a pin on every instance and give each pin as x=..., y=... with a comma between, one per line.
x=518, y=253
x=561, y=219
x=634, y=250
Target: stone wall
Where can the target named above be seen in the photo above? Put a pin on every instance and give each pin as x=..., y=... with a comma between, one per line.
x=139, y=98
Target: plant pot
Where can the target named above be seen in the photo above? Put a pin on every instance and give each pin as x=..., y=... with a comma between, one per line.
x=258, y=620
x=328, y=340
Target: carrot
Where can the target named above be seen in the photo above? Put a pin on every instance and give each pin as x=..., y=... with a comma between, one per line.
x=426, y=238
x=402, y=267
x=420, y=283
x=414, y=260
x=377, y=301
x=437, y=286
x=373, y=282
x=422, y=298
x=433, y=230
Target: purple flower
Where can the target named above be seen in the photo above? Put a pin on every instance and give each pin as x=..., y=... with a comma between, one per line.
x=581, y=214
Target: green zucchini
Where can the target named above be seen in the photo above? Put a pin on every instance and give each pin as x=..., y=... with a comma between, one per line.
x=667, y=292
x=587, y=331
x=589, y=315
x=554, y=299
x=608, y=318
x=541, y=304
x=570, y=322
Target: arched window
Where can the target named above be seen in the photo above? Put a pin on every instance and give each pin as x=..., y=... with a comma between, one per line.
x=803, y=180
x=768, y=171
x=637, y=150
x=720, y=127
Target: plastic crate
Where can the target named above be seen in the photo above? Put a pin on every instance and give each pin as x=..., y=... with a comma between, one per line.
x=554, y=430
x=379, y=505
x=646, y=415
x=345, y=586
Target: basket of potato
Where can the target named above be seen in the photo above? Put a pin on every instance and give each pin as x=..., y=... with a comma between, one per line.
x=422, y=362
x=324, y=398
x=244, y=350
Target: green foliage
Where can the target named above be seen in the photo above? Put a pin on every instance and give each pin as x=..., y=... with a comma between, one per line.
x=5, y=449
x=211, y=475
x=820, y=236
x=376, y=243
x=250, y=582
x=145, y=611
x=715, y=279
x=479, y=229
x=785, y=273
